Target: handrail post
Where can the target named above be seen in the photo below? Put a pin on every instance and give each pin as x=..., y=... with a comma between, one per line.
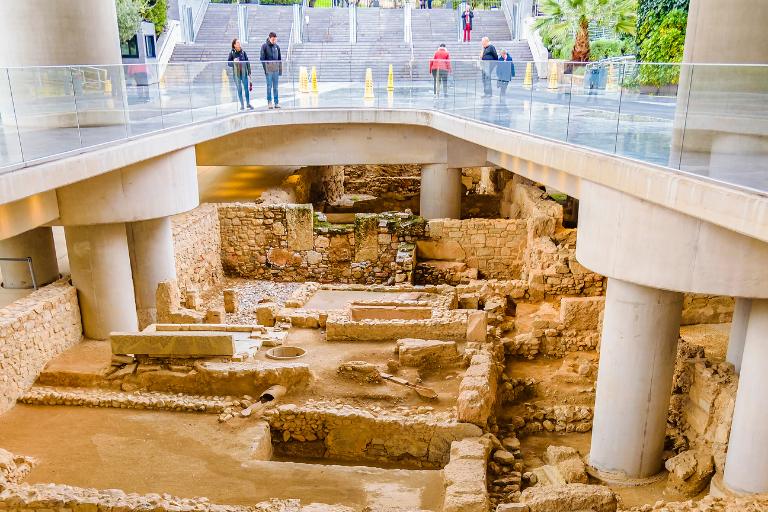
x=298, y=23
x=242, y=23
x=352, y=22
x=407, y=31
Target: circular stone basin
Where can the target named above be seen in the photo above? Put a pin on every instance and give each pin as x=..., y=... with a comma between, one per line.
x=285, y=352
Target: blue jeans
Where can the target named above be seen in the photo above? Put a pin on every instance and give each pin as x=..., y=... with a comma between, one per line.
x=241, y=84
x=272, y=78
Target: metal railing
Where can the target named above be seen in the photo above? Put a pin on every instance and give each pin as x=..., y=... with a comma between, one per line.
x=665, y=114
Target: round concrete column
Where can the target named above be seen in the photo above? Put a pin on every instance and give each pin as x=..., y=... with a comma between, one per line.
x=45, y=33
x=152, y=261
x=738, y=333
x=634, y=380
x=101, y=272
x=36, y=244
x=440, y=196
x=746, y=464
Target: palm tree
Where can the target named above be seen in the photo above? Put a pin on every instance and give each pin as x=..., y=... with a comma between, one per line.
x=566, y=20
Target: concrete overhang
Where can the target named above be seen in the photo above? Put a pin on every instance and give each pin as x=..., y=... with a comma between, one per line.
x=554, y=163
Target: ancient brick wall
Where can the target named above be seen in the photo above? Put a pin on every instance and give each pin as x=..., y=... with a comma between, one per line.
x=33, y=330
x=286, y=243
x=197, y=246
x=493, y=246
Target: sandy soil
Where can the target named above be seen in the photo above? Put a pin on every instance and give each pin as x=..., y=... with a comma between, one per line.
x=713, y=337
x=193, y=455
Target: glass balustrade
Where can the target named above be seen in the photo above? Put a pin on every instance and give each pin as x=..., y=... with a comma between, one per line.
x=708, y=120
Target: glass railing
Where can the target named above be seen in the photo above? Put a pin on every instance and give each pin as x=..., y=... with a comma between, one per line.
x=707, y=120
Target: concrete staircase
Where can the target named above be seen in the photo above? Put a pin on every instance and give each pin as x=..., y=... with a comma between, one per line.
x=380, y=41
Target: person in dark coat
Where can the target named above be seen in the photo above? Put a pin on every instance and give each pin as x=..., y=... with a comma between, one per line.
x=505, y=71
x=489, y=59
x=466, y=22
x=271, y=61
x=241, y=73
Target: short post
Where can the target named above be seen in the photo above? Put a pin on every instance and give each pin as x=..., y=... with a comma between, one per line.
x=242, y=23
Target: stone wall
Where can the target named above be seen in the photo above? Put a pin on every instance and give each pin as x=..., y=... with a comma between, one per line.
x=477, y=391
x=288, y=243
x=495, y=247
x=703, y=399
x=706, y=309
x=197, y=246
x=354, y=434
x=34, y=330
x=465, y=476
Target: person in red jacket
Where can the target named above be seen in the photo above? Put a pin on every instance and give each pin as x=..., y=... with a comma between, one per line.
x=440, y=66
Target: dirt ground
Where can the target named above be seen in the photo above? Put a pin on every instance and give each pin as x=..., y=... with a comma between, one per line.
x=325, y=357
x=713, y=337
x=193, y=455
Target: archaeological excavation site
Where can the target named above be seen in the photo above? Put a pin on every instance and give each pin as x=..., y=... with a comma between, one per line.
x=353, y=338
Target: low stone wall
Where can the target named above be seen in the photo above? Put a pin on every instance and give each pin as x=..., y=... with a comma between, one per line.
x=197, y=247
x=466, y=488
x=477, y=391
x=555, y=418
x=354, y=434
x=577, y=329
x=66, y=498
x=494, y=247
x=703, y=399
x=444, y=325
x=288, y=243
x=709, y=503
x=33, y=331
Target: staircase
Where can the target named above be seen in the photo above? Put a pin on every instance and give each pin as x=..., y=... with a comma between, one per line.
x=380, y=41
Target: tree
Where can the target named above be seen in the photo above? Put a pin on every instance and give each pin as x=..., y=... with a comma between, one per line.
x=566, y=20
x=129, y=16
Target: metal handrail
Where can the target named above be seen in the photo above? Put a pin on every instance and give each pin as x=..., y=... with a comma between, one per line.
x=28, y=259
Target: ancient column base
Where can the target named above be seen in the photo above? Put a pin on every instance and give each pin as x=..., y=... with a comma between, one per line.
x=621, y=479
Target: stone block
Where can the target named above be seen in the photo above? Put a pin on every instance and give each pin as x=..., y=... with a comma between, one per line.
x=440, y=250
x=300, y=235
x=569, y=497
x=477, y=327
x=265, y=314
x=366, y=237
x=182, y=344
x=689, y=472
x=230, y=301
x=426, y=353
x=261, y=444
x=581, y=313
x=359, y=371
x=214, y=316
x=191, y=298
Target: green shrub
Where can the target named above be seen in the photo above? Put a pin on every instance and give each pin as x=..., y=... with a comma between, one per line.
x=128, y=17
x=604, y=48
x=664, y=45
x=157, y=13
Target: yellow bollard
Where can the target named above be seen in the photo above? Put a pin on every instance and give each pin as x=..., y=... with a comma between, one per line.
x=554, y=78
x=391, y=79
x=528, y=81
x=303, y=80
x=613, y=84
x=368, y=95
x=314, y=79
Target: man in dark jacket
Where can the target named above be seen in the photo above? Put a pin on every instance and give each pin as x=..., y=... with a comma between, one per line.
x=271, y=61
x=505, y=70
x=489, y=59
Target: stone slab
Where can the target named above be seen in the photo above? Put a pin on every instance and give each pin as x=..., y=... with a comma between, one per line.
x=189, y=343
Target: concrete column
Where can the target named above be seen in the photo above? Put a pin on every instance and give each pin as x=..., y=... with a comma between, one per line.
x=152, y=261
x=634, y=381
x=37, y=244
x=746, y=463
x=738, y=332
x=440, y=196
x=101, y=272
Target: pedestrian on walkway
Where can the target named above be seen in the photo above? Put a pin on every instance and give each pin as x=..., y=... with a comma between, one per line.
x=422, y=4
x=505, y=71
x=489, y=58
x=271, y=61
x=440, y=66
x=241, y=73
x=466, y=22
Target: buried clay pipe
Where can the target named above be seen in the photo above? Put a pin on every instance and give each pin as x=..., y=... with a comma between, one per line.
x=272, y=393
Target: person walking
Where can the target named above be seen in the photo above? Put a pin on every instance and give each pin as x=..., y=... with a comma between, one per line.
x=466, y=22
x=440, y=66
x=241, y=72
x=489, y=58
x=271, y=61
x=505, y=70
